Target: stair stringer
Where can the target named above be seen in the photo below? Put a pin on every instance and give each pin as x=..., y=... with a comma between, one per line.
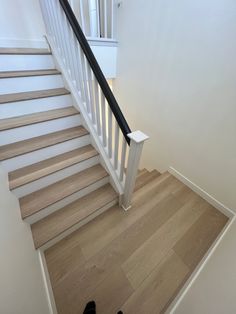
x=78, y=103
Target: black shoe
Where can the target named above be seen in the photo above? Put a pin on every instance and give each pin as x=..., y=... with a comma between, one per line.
x=90, y=308
x=120, y=312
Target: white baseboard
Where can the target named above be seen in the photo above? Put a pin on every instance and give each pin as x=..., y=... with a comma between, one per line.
x=23, y=43
x=206, y=196
x=47, y=283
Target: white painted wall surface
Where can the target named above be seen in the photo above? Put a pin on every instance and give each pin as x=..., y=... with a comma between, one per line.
x=21, y=24
x=21, y=284
x=176, y=82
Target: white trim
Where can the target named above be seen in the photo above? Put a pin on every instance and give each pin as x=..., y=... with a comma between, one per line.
x=102, y=42
x=187, y=286
x=206, y=196
x=47, y=283
x=23, y=43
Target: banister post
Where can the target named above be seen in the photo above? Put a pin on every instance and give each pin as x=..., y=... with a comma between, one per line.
x=137, y=140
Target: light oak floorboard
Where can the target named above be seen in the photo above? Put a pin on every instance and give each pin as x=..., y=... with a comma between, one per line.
x=35, y=143
x=8, y=98
x=36, y=171
x=135, y=260
x=54, y=224
x=15, y=122
x=198, y=239
x=51, y=194
x=154, y=292
x=24, y=51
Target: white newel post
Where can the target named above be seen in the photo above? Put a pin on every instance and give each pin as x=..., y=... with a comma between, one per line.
x=137, y=139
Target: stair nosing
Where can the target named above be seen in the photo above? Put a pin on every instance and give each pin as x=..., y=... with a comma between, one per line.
x=28, y=73
x=26, y=215
x=65, y=208
x=85, y=132
x=32, y=95
x=24, y=51
x=39, y=176
x=45, y=119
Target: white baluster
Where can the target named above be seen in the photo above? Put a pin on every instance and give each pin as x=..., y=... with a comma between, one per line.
x=137, y=139
x=123, y=158
x=116, y=144
x=82, y=15
x=110, y=132
x=98, y=19
x=112, y=19
x=105, y=18
x=104, y=121
x=91, y=94
x=97, y=104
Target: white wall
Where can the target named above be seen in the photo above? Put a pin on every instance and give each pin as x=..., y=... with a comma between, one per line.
x=21, y=285
x=21, y=24
x=176, y=82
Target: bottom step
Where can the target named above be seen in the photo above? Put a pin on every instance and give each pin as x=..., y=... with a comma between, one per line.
x=59, y=222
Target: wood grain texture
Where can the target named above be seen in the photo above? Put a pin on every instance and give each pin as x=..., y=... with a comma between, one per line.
x=14, y=74
x=15, y=122
x=8, y=98
x=54, y=224
x=35, y=143
x=154, y=292
x=135, y=261
x=43, y=168
x=145, y=177
x=24, y=51
x=51, y=194
x=198, y=239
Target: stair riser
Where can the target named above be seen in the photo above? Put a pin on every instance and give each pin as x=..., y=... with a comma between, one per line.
x=26, y=62
x=55, y=177
x=27, y=84
x=52, y=208
x=45, y=153
x=78, y=225
x=34, y=130
x=15, y=109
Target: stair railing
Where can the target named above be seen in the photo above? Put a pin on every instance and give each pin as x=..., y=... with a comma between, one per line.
x=96, y=18
x=119, y=147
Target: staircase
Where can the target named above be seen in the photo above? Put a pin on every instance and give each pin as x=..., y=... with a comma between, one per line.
x=53, y=168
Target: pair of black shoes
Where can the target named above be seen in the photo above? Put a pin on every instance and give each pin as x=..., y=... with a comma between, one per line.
x=91, y=308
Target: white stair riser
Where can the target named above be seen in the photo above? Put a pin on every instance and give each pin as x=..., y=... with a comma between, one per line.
x=26, y=62
x=55, y=177
x=20, y=108
x=37, y=129
x=67, y=200
x=27, y=84
x=45, y=153
x=78, y=225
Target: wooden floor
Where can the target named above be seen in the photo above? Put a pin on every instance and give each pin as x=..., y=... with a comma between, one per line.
x=135, y=261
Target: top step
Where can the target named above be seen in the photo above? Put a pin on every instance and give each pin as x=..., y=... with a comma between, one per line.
x=24, y=51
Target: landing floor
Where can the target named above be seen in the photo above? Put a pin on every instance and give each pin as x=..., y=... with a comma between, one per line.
x=135, y=261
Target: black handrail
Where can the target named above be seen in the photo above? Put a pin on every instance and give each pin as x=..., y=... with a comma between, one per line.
x=96, y=69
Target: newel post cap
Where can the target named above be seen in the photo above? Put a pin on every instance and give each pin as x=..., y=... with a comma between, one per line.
x=138, y=136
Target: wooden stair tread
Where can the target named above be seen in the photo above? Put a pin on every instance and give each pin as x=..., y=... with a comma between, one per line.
x=7, y=98
x=35, y=143
x=63, y=219
x=13, y=74
x=15, y=122
x=51, y=194
x=43, y=168
x=24, y=51
x=145, y=178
